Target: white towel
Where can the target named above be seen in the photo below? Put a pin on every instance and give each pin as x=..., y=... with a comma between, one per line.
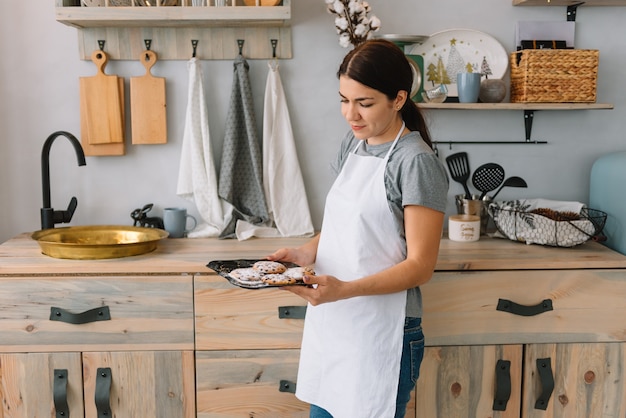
x=282, y=179
x=197, y=179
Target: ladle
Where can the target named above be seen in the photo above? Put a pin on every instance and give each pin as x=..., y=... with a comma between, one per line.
x=513, y=181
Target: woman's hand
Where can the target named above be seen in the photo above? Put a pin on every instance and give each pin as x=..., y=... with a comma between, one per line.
x=320, y=289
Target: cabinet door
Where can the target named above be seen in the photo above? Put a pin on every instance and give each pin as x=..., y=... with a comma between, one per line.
x=589, y=380
x=27, y=382
x=460, y=382
x=248, y=383
x=157, y=384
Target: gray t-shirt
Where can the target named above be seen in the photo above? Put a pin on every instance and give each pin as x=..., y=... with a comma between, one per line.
x=414, y=176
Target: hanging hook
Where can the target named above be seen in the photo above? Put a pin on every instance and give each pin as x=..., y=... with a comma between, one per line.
x=101, y=44
x=274, y=44
x=148, y=43
x=194, y=45
x=240, y=43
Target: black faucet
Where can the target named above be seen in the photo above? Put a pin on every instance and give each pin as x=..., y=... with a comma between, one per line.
x=49, y=216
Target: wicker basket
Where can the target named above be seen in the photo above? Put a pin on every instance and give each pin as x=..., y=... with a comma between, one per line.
x=518, y=225
x=554, y=75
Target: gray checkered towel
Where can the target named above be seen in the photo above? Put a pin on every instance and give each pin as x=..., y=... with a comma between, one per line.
x=241, y=171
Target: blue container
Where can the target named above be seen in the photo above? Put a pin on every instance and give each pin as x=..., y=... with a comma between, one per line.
x=607, y=192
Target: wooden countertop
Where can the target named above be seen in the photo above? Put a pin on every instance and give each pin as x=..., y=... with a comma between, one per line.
x=21, y=256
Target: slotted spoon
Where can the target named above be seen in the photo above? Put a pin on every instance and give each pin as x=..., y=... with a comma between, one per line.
x=458, y=164
x=488, y=177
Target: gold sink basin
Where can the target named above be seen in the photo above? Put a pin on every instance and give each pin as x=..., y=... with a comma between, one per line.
x=98, y=242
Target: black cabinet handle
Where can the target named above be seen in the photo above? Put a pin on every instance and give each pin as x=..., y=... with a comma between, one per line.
x=97, y=314
x=505, y=305
x=503, y=385
x=103, y=392
x=544, y=368
x=59, y=393
x=287, y=386
x=291, y=312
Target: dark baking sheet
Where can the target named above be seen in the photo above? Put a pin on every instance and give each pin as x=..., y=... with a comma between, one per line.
x=224, y=267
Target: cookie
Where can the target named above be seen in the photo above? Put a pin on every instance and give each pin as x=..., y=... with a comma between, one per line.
x=298, y=273
x=246, y=275
x=269, y=267
x=278, y=279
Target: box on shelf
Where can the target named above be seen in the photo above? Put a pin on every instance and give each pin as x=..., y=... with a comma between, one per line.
x=554, y=75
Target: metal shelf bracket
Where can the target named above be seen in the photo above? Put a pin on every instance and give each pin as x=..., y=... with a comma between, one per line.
x=528, y=123
x=571, y=11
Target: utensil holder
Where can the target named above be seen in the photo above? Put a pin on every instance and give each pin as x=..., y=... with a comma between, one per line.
x=474, y=206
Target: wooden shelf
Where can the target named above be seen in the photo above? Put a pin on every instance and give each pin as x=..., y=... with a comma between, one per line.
x=516, y=106
x=172, y=28
x=179, y=16
x=528, y=109
x=569, y=3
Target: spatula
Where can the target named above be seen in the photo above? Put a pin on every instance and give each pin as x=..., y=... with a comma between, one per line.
x=488, y=177
x=511, y=182
x=458, y=164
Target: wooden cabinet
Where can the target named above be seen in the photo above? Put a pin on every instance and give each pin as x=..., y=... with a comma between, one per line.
x=500, y=337
x=247, y=344
x=179, y=342
x=83, y=345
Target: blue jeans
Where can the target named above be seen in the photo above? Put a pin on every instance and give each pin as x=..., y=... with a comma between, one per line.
x=412, y=356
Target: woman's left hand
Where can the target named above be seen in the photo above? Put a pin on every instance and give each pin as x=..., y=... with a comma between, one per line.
x=320, y=289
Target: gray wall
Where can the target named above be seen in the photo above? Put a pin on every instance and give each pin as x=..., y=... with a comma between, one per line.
x=40, y=68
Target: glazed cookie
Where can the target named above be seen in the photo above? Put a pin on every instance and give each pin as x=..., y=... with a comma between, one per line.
x=269, y=267
x=298, y=273
x=246, y=275
x=278, y=279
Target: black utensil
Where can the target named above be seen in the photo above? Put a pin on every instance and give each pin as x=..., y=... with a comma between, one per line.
x=511, y=182
x=458, y=164
x=488, y=177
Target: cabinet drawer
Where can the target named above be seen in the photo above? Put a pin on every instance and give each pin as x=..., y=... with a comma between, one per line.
x=462, y=307
x=40, y=314
x=247, y=383
x=231, y=318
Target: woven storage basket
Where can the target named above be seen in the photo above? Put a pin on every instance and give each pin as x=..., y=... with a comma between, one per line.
x=514, y=222
x=554, y=75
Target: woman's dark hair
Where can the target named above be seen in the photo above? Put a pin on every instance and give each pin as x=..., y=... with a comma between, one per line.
x=381, y=65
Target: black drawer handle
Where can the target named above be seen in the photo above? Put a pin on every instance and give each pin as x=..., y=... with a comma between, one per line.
x=287, y=386
x=503, y=385
x=544, y=368
x=59, y=393
x=505, y=305
x=103, y=392
x=291, y=312
x=97, y=314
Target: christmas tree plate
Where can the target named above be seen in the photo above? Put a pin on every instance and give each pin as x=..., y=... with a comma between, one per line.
x=454, y=51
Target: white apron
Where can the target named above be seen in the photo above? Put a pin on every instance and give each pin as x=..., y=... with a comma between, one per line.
x=351, y=349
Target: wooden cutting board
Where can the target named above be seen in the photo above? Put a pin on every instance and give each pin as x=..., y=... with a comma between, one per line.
x=100, y=150
x=148, y=114
x=101, y=104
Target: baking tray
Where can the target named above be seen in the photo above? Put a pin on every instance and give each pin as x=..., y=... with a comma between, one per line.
x=224, y=267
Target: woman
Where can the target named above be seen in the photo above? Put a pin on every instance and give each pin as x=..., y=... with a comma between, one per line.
x=363, y=343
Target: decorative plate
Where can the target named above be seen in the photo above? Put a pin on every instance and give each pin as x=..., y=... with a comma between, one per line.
x=450, y=52
x=224, y=267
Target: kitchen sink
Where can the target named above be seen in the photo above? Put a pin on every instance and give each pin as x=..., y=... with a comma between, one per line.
x=98, y=241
